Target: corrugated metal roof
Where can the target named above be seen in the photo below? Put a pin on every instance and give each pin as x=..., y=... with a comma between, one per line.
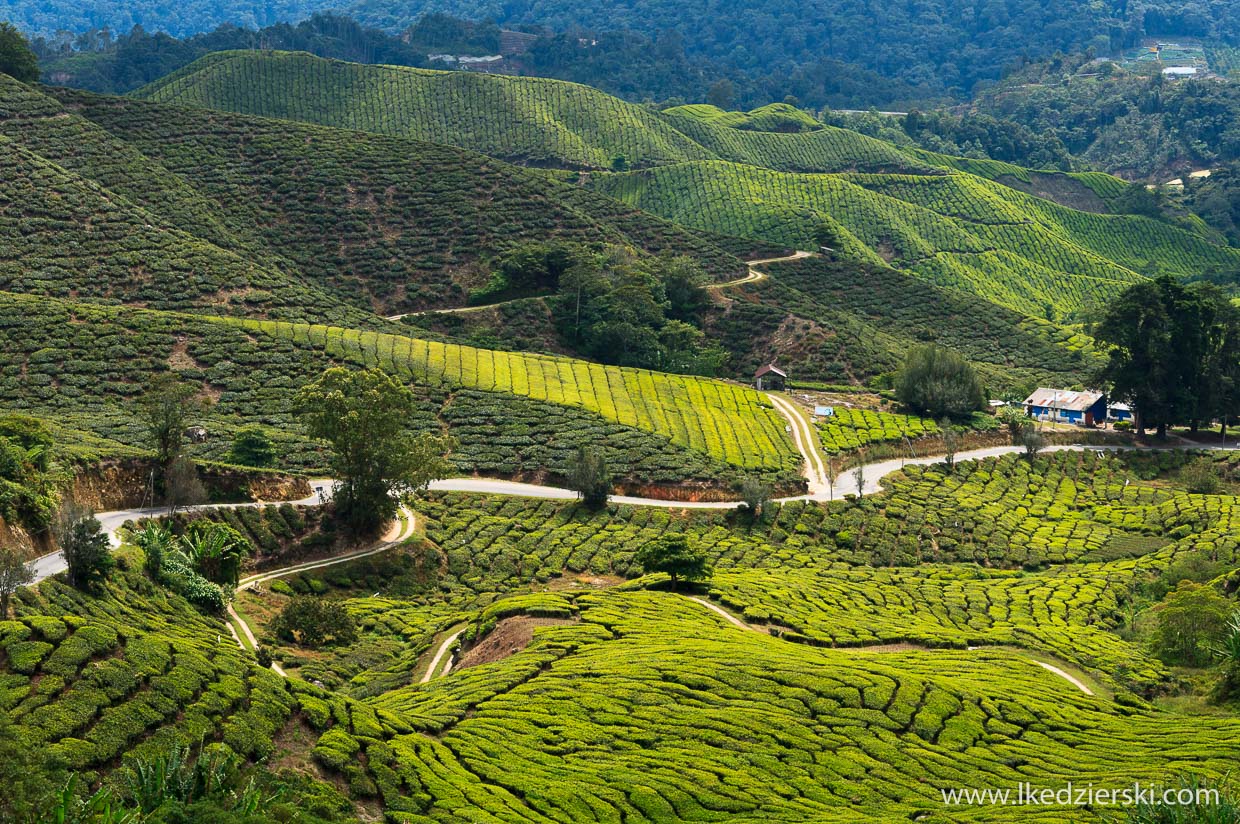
x=770, y=368
x=1063, y=399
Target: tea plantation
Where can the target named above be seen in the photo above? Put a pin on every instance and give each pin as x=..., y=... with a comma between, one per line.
x=254, y=219
x=843, y=323
x=955, y=230
x=513, y=413
x=181, y=209
x=868, y=679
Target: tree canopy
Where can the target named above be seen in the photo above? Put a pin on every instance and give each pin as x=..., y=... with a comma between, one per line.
x=17, y=59
x=938, y=382
x=619, y=309
x=364, y=416
x=676, y=555
x=1173, y=353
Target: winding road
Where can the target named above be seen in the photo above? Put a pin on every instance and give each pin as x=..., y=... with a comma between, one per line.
x=821, y=489
x=799, y=425
x=753, y=276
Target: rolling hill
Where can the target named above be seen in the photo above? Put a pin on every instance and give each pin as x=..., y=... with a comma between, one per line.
x=954, y=230
x=514, y=414
x=235, y=211
x=987, y=228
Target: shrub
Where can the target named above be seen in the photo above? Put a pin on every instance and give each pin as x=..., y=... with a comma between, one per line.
x=252, y=446
x=314, y=622
x=939, y=382
x=1200, y=477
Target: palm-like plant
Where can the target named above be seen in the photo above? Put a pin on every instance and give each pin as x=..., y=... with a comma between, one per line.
x=156, y=542
x=1228, y=652
x=216, y=552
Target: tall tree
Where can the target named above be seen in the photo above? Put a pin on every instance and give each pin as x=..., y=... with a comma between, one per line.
x=14, y=574
x=1218, y=378
x=1174, y=352
x=85, y=547
x=165, y=409
x=17, y=59
x=182, y=487
x=363, y=415
x=590, y=478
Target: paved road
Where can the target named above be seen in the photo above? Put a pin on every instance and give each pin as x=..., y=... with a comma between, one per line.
x=820, y=488
x=49, y=565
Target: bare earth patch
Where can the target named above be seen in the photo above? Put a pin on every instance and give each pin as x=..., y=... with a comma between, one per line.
x=510, y=636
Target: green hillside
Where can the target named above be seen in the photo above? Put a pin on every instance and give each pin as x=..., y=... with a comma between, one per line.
x=533, y=121
x=512, y=413
x=1040, y=243
x=179, y=208
x=635, y=702
x=955, y=230
x=838, y=322
x=525, y=119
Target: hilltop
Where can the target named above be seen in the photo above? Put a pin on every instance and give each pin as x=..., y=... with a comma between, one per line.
x=976, y=226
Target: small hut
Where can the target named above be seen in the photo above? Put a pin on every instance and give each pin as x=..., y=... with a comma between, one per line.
x=770, y=378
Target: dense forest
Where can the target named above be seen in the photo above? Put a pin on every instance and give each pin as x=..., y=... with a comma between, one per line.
x=1133, y=124
x=623, y=63
x=939, y=48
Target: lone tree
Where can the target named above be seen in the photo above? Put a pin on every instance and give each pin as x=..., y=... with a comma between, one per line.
x=14, y=574
x=182, y=488
x=674, y=554
x=364, y=417
x=939, y=382
x=165, y=409
x=17, y=59
x=951, y=443
x=1192, y=620
x=590, y=478
x=85, y=547
x=755, y=495
x=1032, y=442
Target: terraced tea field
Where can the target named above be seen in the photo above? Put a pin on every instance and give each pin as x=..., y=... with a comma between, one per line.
x=734, y=424
x=956, y=231
x=528, y=119
x=513, y=412
x=646, y=704
x=853, y=428
x=636, y=711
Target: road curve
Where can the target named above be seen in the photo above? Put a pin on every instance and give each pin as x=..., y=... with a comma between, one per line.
x=439, y=654
x=751, y=277
x=49, y=565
